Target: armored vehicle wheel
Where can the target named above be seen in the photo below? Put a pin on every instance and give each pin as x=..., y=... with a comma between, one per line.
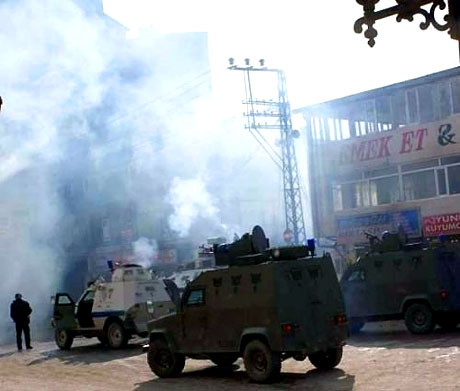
x=63, y=338
x=261, y=364
x=162, y=361
x=224, y=360
x=328, y=359
x=116, y=335
x=419, y=319
x=448, y=323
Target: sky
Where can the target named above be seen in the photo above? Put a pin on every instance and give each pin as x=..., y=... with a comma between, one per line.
x=314, y=42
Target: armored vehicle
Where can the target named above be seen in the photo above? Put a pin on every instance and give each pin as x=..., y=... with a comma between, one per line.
x=267, y=305
x=417, y=282
x=111, y=311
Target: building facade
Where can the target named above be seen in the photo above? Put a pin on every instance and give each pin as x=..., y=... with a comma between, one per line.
x=386, y=158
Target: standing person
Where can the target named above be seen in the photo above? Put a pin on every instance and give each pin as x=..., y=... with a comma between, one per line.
x=20, y=313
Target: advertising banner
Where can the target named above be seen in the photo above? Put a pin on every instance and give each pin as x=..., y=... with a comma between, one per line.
x=445, y=224
x=408, y=143
x=350, y=229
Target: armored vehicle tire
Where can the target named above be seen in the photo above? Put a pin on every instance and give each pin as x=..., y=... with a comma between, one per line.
x=328, y=359
x=261, y=364
x=64, y=339
x=448, y=323
x=162, y=361
x=224, y=359
x=419, y=319
x=116, y=335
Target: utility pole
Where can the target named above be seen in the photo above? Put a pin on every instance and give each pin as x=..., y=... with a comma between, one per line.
x=277, y=116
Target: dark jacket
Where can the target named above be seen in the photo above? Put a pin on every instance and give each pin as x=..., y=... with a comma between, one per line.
x=20, y=311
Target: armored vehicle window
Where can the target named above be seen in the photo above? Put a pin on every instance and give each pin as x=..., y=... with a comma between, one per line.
x=357, y=275
x=196, y=297
x=63, y=300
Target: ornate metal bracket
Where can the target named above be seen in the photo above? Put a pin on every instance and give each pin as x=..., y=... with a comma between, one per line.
x=407, y=9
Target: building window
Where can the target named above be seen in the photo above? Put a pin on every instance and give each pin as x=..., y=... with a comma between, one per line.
x=384, y=190
x=419, y=165
x=450, y=160
x=351, y=195
x=412, y=181
x=425, y=100
x=456, y=94
x=412, y=106
x=442, y=187
x=383, y=111
x=453, y=173
x=419, y=185
x=444, y=100
x=398, y=106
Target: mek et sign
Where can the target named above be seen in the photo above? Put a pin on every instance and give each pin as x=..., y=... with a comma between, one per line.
x=384, y=147
x=398, y=145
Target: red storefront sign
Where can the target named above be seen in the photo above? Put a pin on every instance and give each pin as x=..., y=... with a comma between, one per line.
x=446, y=224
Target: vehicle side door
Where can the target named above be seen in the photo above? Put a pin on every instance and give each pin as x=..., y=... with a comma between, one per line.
x=447, y=268
x=64, y=311
x=355, y=292
x=194, y=319
x=85, y=309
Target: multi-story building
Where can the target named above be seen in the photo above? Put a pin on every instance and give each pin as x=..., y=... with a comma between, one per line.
x=386, y=158
x=111, y=200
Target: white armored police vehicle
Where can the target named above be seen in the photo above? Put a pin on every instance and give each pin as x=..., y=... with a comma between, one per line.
x=112, y=311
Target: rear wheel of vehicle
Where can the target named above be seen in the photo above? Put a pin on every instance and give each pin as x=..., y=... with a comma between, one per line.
x=328, y=359
x=116, y=335
x=224, y=360
x=162, y=361
x=419, y=319
x=261, y=364
x=448, y=323
x=355, y=327
x=64, y=339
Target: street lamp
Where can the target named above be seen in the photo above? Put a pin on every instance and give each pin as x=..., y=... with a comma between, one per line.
x=406, y=9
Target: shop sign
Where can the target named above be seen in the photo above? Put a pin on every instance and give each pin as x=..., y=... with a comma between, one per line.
x=350, y=229
x=397, y=146
x=445, y=224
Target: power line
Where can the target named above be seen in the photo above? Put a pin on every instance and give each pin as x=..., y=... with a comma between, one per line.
x=279, y=114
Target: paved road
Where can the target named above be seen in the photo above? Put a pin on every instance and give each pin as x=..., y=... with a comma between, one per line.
x=380, y=358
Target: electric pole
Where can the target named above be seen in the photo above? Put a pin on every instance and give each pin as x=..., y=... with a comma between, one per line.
x=277, y=116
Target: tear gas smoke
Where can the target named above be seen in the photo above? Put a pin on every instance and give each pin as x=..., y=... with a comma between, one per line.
x=90, y=120
x=145, y=251
x=190, y=199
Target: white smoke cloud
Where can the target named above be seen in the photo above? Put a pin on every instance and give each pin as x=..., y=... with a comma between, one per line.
x=190, y=200
x=145, y=251
x=81, y=104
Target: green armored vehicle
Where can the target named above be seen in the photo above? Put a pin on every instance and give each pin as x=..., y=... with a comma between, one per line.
x=265, y=305
x=417, y=282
